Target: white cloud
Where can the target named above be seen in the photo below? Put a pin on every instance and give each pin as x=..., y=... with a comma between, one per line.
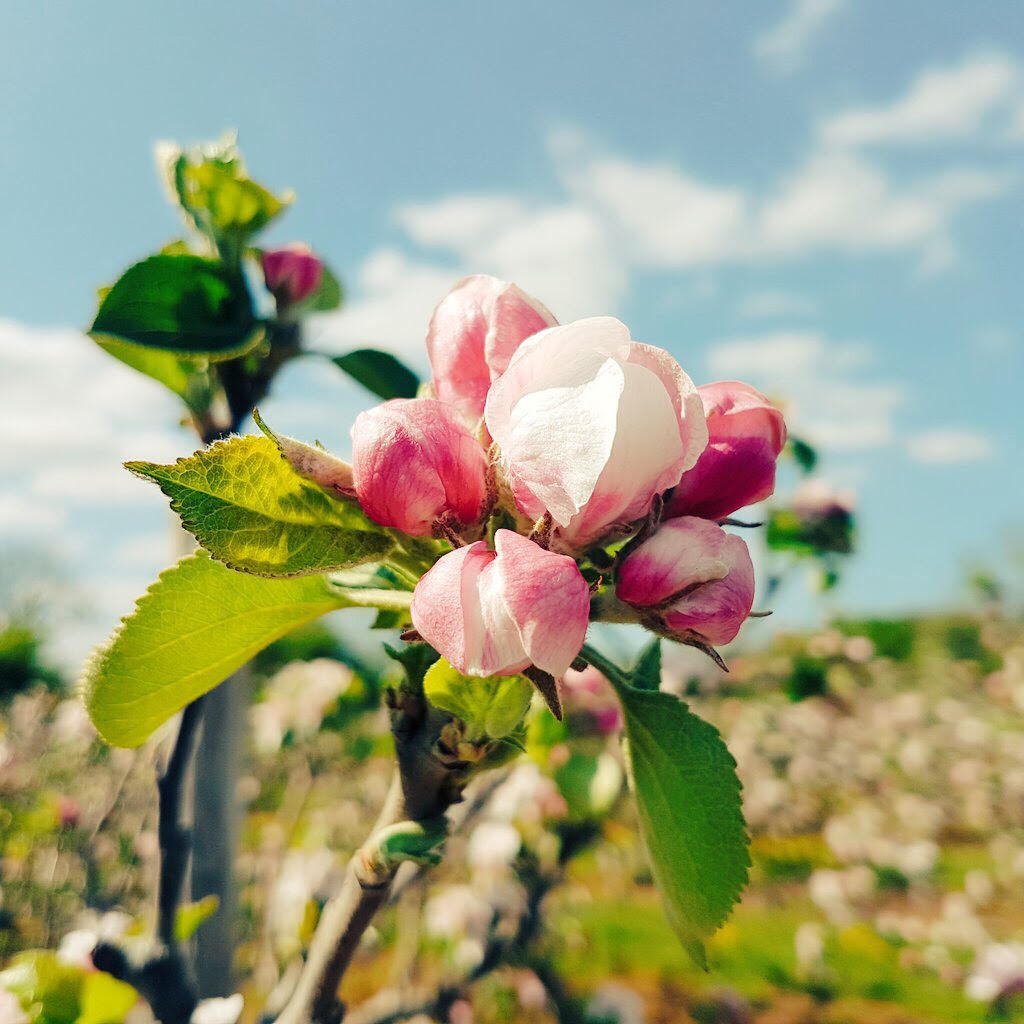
x=20, y=516
x=840, y=201
x=615, y=216
x=460, y=222
x=993, y=340
x=772, y=303
x=947, y=446
x=662, y=216
x=395, y=296
x=830, y=396
x=941, y=104
x=70, y=416
x=784, y=46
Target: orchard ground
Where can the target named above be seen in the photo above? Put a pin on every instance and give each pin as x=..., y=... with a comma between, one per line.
x=883, y=770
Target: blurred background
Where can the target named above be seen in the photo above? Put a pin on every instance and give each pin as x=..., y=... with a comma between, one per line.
x=821, y=197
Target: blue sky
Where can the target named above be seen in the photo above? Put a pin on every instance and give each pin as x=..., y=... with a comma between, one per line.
x=819, y=196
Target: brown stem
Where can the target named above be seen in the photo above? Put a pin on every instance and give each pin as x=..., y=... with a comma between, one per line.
x=423, y=789
x=162, y=975
x=173, y=836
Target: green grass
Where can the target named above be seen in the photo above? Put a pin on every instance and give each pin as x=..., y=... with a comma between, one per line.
x=753, y=954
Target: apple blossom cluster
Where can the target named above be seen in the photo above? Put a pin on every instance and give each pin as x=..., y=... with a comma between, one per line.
x=560, y=460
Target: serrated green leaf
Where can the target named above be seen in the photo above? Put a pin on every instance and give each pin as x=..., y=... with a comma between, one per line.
x=379, y=372
x=194, y=626
x=183, y=304
x=688, y=803
x=491, y=707
x=189, y=916
x=246, y=505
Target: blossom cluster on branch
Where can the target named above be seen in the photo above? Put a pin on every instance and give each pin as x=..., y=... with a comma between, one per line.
x=553, y=457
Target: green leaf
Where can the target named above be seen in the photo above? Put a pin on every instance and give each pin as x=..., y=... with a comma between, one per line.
x=50, y=989
x=246, y=505
x=183, y=304
x=491, y=707
x=415, y=659
x=194, y=626
x=217, y=195
x=832, y=532
x=418, y=842
x=379, y=372
x=589, y=784
x=805, y=455
x=331, y=473
x=187, y=378
x=105, y=1000
x=647, y=670
x=328, y=296
x=688, y=802
x=189, y=916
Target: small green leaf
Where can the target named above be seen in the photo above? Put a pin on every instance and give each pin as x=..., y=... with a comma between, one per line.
x=647, y=670
x=105, y=1000
x=805, y=455
x=379, y=372
x=832, y=532
x=217, y=195
x=419, y=842
x=189, y=916
x=589, y=784
x=328, y=296
x=491, y=707
x=415, y=659
x=183, y=304
x=194, y=626
x=246, y=505
x=331, y=473
x=43, y=983
x=688, y=802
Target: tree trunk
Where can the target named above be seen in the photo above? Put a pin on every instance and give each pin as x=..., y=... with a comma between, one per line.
x=215, y=830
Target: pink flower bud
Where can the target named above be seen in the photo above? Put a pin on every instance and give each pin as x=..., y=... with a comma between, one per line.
x=292, y=272
x=745, y=435
x=414, y=462
x=695, y=579
x=592, y=425
x=474, y=331
x=499, y=612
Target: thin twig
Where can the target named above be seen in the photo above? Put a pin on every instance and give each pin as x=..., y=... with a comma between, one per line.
x=422, y=790
x=394, y=1005
x=161, y=974
x=174, y=837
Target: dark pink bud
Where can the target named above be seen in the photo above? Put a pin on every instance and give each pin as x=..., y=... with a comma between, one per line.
x=745, y=436
x=415, y=462
x=693, y=578
x=292, y=272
